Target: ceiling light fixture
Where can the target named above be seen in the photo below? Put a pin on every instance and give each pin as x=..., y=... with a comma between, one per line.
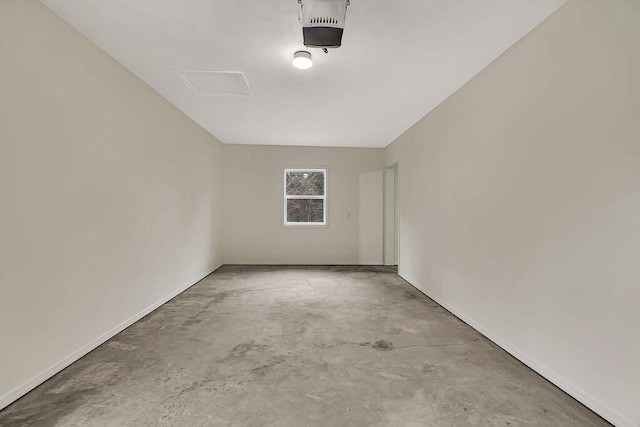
x=302, y=60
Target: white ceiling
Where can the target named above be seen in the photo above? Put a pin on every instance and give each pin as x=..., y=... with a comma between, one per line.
x=399, y=60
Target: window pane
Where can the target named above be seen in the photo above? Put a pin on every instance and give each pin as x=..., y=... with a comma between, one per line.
x=305, y=183
x=305, y=210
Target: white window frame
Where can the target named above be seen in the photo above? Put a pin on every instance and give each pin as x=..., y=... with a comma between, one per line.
x=324, y=198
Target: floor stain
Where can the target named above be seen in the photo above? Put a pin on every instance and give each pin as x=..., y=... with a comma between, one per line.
x=383, y=345
x=410, y=295
x=190, y=322
x=121, y=346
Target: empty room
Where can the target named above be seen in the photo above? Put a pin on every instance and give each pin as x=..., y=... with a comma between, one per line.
x=320, y=213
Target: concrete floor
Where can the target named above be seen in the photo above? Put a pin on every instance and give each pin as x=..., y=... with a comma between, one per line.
x=296, y=346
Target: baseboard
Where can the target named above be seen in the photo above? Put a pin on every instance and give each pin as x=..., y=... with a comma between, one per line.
x=294, y=264
x=25, y=388
x=567, y=386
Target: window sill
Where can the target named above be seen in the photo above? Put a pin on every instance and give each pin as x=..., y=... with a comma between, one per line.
x=304, y=225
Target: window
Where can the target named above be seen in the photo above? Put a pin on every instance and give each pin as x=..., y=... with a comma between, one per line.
x=305, y=197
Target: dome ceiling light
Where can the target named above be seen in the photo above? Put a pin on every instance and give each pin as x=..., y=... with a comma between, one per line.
x=302, y=60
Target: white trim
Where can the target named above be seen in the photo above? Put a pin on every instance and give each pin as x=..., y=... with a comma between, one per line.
x=324, y=198
x=25, y=388
x=567, y=386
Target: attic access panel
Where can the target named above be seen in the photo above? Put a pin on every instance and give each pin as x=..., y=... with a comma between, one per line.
x=215, y=83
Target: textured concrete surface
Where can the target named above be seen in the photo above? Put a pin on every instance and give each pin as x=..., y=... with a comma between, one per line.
x=296, y=346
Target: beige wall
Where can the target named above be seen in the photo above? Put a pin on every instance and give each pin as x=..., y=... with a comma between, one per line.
x=253, y=215
x=520, y=203
x=109, y=197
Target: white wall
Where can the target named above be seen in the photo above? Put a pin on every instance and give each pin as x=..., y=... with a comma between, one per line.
x=253, y=215
x=371, y=208
x=520, y=203
x=109, y=197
